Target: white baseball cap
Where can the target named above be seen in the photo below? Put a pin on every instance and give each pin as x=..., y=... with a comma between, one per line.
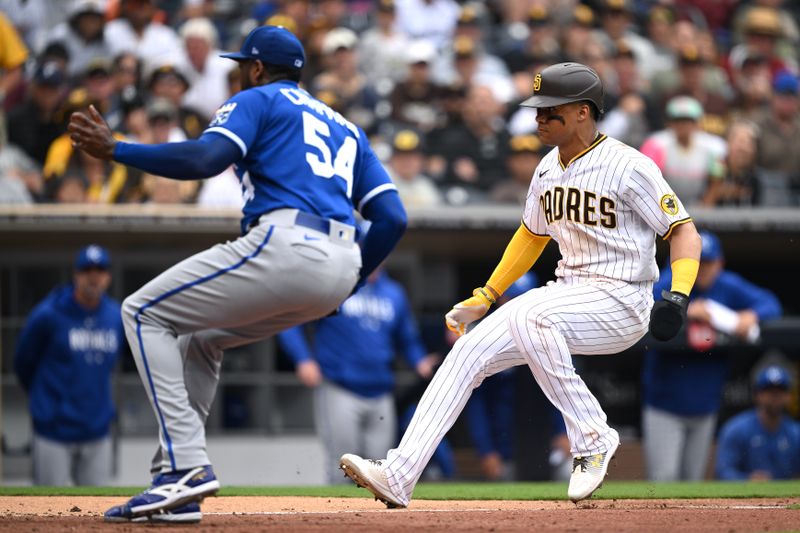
x=420, y=51
x=337, y=39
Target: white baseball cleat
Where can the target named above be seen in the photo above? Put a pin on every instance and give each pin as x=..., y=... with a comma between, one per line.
x=371, y=475
x=588, y=473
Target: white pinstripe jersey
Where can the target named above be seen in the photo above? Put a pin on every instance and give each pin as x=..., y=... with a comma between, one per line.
x=604, y=210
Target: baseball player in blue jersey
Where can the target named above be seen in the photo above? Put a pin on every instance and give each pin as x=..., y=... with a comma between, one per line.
x=64, y=358
x=350, y=367
x=682, y=392
x=762, y=443
x=303, y=169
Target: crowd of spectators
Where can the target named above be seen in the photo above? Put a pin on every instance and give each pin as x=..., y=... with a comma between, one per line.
x=707, y=88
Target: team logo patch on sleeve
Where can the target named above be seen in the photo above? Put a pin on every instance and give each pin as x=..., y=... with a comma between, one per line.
x=223, y=114
x=669, y=204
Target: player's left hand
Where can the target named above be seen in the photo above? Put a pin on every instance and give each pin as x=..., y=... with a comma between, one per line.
x=427, y=364
x=465, y=313
x=90, y=133
x=668, y=315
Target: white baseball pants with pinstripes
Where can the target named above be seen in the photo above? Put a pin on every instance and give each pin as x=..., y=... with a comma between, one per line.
x=541, y=329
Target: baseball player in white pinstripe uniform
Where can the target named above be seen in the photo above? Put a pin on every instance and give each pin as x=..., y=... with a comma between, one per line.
x=603, y=203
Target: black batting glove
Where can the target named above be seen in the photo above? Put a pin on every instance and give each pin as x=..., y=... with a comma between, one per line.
x=668, y=315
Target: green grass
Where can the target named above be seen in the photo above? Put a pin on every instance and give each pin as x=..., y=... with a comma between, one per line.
x=476, y=491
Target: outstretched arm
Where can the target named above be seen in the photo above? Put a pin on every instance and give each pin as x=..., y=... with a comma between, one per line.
x=196, y=159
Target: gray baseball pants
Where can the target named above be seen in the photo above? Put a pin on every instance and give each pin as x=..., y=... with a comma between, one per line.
x=61, y=464
x=676, y=447
x=278, y=275
x=349, y=423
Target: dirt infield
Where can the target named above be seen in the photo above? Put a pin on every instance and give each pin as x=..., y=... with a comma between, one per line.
x=257, y=514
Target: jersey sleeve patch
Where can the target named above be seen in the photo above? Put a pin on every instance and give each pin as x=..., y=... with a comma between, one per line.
x=223, y=114
x=669, y=204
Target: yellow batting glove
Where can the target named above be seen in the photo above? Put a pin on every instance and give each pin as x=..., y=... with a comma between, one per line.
x=465, y=313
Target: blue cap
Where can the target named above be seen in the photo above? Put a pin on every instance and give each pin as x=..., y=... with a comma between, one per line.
x=711, y=247
x=92, y=256
x=786, y=83
x=274, y=45
x=773, y=376
x=527, y=282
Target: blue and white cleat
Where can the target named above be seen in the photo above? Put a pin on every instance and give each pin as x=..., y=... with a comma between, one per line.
x=185, y=514
x=169, y=491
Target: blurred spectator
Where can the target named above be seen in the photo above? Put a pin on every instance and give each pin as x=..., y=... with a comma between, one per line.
x=682, y=391
x=629, y=110
x=745, y=184
x=99, y=84
x=414, y=100
x=159, y=190
x=206, y=71
x=349, y=366
x=660, y=21
x=524, y=154
x=472, y=66
x=689, y=158
x=136, y=31
x=752, y=86
x=168, y=82
x=223, y=190
x=490, y=409
x=126, y=71
x=431, y=20
x=353, y=94
x=19, y=175
x=83, y=35
x=382, y=49
x=405, y=168
x=35, y=124
x=779, y=129
x=470, y=155
x=33, y=19
x=541, y=44
x=617, y=23
x=469, y=41
x=762, y=30
x=13, y=55
x=763, y=443
x=577, y=33
x=71, y=189
x=162, y=119
x=705, y=83
x=64, y=359
x=104, y=180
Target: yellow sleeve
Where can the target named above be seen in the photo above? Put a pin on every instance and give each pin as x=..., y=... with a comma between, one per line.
x=12, y=50
x=521, y=253
x=684, y=274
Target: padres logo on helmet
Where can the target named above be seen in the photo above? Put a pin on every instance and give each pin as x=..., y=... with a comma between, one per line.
x=564, y=83
x=669, y=204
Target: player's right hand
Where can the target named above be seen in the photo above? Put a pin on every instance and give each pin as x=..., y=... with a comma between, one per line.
x=465, y=313
x=668, y=315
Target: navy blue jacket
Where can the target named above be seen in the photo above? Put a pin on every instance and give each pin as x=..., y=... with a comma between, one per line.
x=356, y=348
x=691, y=385
x=745, y=446
x=64, y=358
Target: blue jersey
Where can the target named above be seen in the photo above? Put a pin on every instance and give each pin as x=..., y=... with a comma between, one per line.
x=691, y=384
x=356, y=348
x=746, y=446
x=64, y=358
x=298, y=153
